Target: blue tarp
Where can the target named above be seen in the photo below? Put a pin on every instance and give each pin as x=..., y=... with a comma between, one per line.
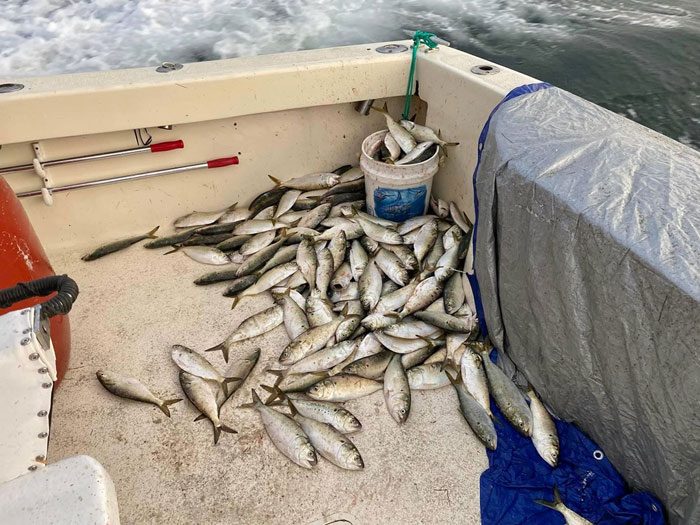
x=586, y=479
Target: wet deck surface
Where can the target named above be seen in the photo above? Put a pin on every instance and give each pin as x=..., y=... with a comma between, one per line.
x=132, y=307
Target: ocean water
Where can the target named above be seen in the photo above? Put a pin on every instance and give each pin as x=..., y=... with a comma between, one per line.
x=640, y=58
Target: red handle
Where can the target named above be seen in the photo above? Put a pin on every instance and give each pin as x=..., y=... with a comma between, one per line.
x=167, y=146
x=220, y=163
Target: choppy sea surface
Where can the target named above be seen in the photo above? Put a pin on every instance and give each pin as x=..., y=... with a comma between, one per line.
x=640, y=58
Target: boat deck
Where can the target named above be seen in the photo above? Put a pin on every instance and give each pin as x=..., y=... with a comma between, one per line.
x=132, y=307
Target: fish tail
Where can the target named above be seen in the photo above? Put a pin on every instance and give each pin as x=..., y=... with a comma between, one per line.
x=292, y=408
x=431, y=342
x=199, y=417
x=164, y=407
x=450, y=144
x=217, y=433
x=232, y=207
x=175, y=248
x=225, y=383
x=228, y=429
x=236, y=300
x=551, y=504
x=221, y=346
x=255, y=396
x=275, y=180
x=152, y=234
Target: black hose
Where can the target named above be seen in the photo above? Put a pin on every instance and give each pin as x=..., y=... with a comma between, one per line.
x=59, y=305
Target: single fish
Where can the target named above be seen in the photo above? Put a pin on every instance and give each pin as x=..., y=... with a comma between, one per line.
x=410, y=328
x=227, y=274
x=204, y=254
x=259, y=260
x=319, y=310
x=286, y=203
x=132, y=388
x=283, y=255
x=240, y=367
x=255, y=325
x=440, y=207
x=265, y=213
x=391, y=266
x=313, y=181
x=358, y=259
x=392, y=146
x=266, y=198
x=452, y=236
x=268, y=280
x=116, y=246
x=307, y=261
x=314, y=217
x=354, y=173
x=406, y=256
x=338, y=246
x=370, y=367
x=370, y=245
x=473, y=376
x=233, y=242
x=325, y=358
x=406, y=346
x=331, y=444
x=235, y=215
x=461, y=219
x=423, y=295
x=403, y=138
x=544, y=431
x=427, y=235
x=348, y=327
x=370, y=286
x=369, y=345
x=253, y=226
x=343, y=387
x=396, y=299
x=506, y=394
x=417, y=154
x=397, y=391
x=427, y=377
x=351, y=232
x=454, y=294
x=378, y=233
x=295, y=321
x=355, y=186
x=424, y=133
x=448, y=322
x=343, y=276
x=380, y=320
x=350, y=293
x=195, y=364
x=201, y=396
x=201, y=218
x=571, y=517
x=296, y=382
x=324, y=270
x=413, y=224
x=418, y=357
x=478, y=419
x=336, y=416
x=286, y=435
x=239, y=285
x=309, y=342
x=257, y=242
x=169, y=240
x=342, y=209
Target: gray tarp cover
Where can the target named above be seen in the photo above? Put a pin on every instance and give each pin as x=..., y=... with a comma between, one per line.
x=587, y=256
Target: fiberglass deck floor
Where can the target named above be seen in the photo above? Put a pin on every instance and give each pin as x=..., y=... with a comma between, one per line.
x=132, y=307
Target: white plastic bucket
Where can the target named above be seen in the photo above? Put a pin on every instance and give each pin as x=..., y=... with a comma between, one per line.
x=396, y=192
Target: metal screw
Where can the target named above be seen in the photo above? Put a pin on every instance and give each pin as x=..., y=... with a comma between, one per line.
x=43, y=370
x=45, y=385
x=34, y=356
x=42, y=413
x=43, y=435
x=40, y=458
x=32, y=467
x=25, y=341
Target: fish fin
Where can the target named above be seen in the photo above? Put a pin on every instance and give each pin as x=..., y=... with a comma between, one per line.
x=551, y=504
x=292, y=408
x=176, y=247
x=222, y=347
x=391, y=314
x=235, y=302
x=152, y=234
x=256, y=397
x=200, y=417
x=217, y=434
x=232, y=207
x=413, y=118
x=164, y=407
x=453, y=380
x=275, y=180
x=431, y=342
x=225, y=384
x=228, y=429
x=344, y=311
x=276, y=393
x=246, y=405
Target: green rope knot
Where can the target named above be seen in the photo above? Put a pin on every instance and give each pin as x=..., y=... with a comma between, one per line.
x=419, y=37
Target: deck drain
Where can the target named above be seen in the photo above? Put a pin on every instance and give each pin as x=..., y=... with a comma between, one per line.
x=392, y=48
x=9, y=88
x=485, y=69
x=167, y=67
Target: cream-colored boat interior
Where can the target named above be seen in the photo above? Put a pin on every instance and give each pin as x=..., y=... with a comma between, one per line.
x=282, y=115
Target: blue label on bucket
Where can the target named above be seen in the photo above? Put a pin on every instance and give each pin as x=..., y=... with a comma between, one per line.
x=399, y=205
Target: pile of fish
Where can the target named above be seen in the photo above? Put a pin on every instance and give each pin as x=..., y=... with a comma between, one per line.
x=368, y=305
x=406, y=142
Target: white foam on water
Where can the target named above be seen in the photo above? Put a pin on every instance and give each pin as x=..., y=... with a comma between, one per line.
x=53, y=36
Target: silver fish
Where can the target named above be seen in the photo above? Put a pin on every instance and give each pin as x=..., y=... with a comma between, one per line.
x=343, y=387
x=234, y=215
x=404, y=346
x=427, y=377
x=241, y=367
x=370, y=367
x=370, y=286
x=468, y=294
x=506, y=394
x=260, y=259
x=195, y=364
x=477, y=418
x=319, y=310
x=405, y=254
x=461, y=219
x=253, y=226
x=358, y=259
x=169, y=240
x=201, y=396
x=397, y=391
x=392, y=146
x=294, y=318
x=337, y=246
x=325, y=358
x=427, y=235
x=313, y=181
x=343, y=275
x=351, y=232
x=265, y=213
x=544, y=431
x=423, y=295
x=257, y=242
x=201, y=218
x=403, y=138
x=410, y=328
x=116, y=246
x=336, y=416
x=286, y=202
x=447, y=321
x=349, y=293
x=292, y=217
x=440, y=207
x=314, y=217
x=440, y=357
x=416, y=358
x=331, y=444
x=571, y=517
x=369, y=345
x=347, y=328
x=282, y=255
x=132, y=388
x=474, y=378
x=286, y=435
x=340, y=210
x=268, y=280
x=297, y=382
x=255, y=325
x=437, y=251
x=414, y=223
x=370, y=245
x=324, y=270
x=452, y=237
x=391, y=266
x=454, y=294
x=424, y=133
x=354, y=173
x=309, y=342
x=307, y=260
x=416, y=154
x=378, y=233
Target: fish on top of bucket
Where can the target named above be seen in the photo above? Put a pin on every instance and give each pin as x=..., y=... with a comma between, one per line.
x=399, y=164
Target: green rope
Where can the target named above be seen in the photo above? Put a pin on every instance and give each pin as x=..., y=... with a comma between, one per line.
x=419, y=37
